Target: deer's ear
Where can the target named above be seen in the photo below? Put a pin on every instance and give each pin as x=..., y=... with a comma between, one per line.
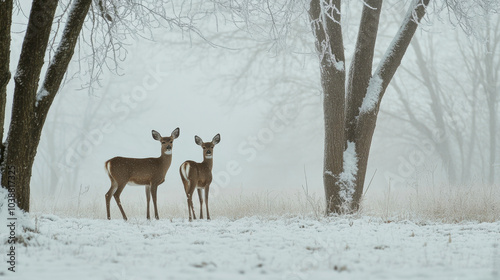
x=198, y=140
x=156, y=135
x=175, y=133
x=216, y=139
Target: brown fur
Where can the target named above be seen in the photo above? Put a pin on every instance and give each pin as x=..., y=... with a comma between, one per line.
x=198, y=175
x=141, y=171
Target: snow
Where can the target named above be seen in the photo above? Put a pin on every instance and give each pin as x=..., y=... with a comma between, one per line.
x=372, y=94
x=397, y=37
x=40, y=95
x=23, y=221
x=339, y=65
x=375, y=85
x=256, y=248
x=348, y=175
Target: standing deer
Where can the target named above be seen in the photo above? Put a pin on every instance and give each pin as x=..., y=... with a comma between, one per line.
x=140, y=171
x=198, y=175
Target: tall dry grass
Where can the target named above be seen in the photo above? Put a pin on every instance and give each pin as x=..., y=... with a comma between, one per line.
x=441, y=204
x=449, y=204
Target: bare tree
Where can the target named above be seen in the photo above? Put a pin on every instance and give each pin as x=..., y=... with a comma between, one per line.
x=351, y=113
x=351, y=101
x=455, y=102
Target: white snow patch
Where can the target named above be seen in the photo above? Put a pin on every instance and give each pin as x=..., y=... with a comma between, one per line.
x=12, y=213
x=40, y=95
x=339, y=65
x=409, y=16
x=328, y=172
x=257, y=248
x=372, y=94
x=348, y=176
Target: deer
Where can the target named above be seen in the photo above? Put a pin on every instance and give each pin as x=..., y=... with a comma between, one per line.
x=198, y=175
x=149, y=172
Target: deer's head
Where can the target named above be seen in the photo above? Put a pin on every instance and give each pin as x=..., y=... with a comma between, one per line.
x=167, y=143
x=208, y=147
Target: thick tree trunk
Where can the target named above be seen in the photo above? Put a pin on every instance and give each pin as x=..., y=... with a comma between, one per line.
x=491, y=95
x=361, y=65
x=328, y=32
x=5, y=24
x=19, y=153
x=30, y=108
x=386, y=70
x=359, y=79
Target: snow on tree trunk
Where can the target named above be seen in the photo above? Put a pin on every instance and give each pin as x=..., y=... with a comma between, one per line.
x=326, y=27
x=347, y=178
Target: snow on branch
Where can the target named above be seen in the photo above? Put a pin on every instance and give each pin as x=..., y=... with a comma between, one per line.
x=405, y=33
x=372, y=94
x=40, y=95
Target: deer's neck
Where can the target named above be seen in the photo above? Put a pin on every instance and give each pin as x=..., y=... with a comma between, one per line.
x=208, y=162
x=165, y=160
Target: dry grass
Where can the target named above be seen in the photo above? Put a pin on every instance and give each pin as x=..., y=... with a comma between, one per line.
x=445, y=204
x=233, y=206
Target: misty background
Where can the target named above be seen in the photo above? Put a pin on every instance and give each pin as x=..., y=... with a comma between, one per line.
x=264, y=98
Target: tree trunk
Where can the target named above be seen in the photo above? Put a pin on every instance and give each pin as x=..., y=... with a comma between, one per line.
x=491, y=95
x=385, y=71
x=359, y=78
x=328, y=32
x=345, y=121
x=19, y=153
x=444, y=147
x=5, y=24
x=30, y=108
x=361, y=65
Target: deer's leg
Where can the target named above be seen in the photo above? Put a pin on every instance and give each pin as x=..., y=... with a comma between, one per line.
x=189, y=208
x=117, y=198
x=190, y=202
x=108, y=195
x=148, y=197
x=186, y=189
x=192, y=207
x=201, y=203
x=154, y=190
x=206, y=201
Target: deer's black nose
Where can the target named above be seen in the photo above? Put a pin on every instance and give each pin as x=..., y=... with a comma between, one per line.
x=169, y=147
x=209, y=152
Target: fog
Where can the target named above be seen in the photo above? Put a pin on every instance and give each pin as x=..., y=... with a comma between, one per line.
x=265, y=101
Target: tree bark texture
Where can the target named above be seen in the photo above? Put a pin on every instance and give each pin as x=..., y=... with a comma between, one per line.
x=30, y=109
x=5, y=75
x=328, y=32
x=386, y=70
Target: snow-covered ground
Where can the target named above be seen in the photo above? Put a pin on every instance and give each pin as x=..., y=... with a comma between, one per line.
x=255, y=248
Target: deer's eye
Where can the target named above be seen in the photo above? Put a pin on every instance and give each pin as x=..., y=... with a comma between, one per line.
x=163, y=142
